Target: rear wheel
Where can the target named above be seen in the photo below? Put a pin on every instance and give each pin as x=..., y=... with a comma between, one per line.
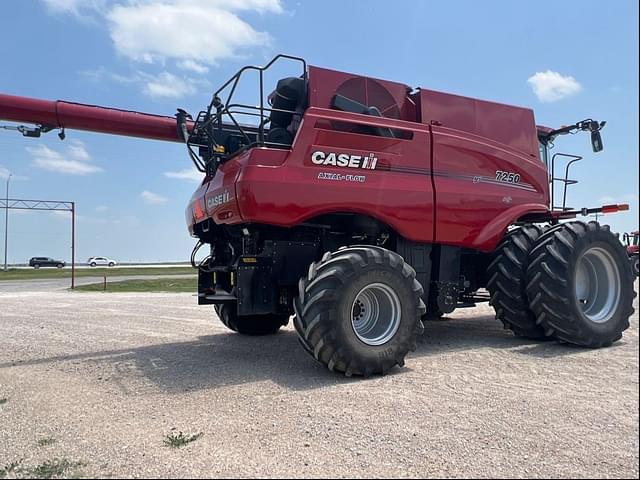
x=111, y=264
x=92, y=264
x=249, y=324
x=359, y=310
x=36, y=266
x=580, y=284
x=507, y=282
x=634, y=265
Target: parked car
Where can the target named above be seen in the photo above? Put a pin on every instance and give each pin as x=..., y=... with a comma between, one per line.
x=37, y=262
x=95, y=261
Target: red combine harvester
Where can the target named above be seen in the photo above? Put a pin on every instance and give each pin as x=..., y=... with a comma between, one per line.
x=632, y=241
x=364, y=207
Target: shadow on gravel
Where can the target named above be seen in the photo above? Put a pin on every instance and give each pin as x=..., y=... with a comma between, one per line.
x=226, y=359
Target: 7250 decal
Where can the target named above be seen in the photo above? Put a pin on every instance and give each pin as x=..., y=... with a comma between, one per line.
x=508, y=177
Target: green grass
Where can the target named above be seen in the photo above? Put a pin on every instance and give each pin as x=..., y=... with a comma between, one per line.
x=13, y=467
x=155, y=285
x=49, y=469
x=178, y=440
x=30, y=273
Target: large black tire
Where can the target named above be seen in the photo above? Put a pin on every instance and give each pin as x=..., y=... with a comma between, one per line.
x=580, y=284
x=507, y=274
x=253, y=325
x=329, y=300
x=635, y=268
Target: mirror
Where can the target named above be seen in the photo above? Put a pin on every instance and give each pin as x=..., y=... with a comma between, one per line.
x=596, y=141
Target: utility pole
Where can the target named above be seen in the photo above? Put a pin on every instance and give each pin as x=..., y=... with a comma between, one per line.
x=6, y=224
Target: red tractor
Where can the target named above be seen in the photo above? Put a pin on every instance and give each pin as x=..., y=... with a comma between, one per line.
x=633, y=249
x=364, y=207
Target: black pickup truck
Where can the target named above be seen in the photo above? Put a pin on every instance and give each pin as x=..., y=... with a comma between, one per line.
x=37, y=262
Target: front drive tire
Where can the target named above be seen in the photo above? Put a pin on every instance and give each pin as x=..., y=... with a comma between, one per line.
x=253, y=325
x=358, y=310
x=580, y=284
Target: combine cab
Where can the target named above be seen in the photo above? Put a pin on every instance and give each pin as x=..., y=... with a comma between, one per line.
x=366, y=207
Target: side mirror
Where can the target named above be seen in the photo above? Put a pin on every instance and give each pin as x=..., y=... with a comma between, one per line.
x=596, y=141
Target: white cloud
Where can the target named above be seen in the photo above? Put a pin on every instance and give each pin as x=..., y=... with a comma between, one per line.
x=162, y=85
x=5, y=172
x=626, y=198
x=167, y=85
x=203, y=32
x=64, y=6
x=152, y=198
x=76, y=160
x=190, y=174
x=74, y=7
x=191, y=35
x=193, y=66
x=551, y=86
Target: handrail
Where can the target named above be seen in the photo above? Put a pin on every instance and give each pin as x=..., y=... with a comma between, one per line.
x=207, y=121
x=566, y=181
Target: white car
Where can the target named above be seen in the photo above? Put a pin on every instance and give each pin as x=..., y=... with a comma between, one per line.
x=95, y=261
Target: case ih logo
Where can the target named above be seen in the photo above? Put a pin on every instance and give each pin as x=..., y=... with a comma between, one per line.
x=218, y=199
x=344, y=160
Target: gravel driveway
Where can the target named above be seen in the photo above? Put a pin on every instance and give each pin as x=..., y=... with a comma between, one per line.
x=102, y=378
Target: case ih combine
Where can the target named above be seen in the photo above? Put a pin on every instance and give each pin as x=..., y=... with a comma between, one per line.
x=632, y=241
x=364, y=207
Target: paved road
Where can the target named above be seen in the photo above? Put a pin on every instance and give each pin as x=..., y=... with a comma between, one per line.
x=123, y=265
x=107, y=377
x=53, y=284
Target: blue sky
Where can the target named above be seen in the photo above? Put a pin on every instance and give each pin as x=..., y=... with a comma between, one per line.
x=566, y=60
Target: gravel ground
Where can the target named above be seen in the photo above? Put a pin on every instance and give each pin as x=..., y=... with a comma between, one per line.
x=107, y=376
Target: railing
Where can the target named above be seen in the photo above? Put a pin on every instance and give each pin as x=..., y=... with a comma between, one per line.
x=209, y=125
x=566, y=181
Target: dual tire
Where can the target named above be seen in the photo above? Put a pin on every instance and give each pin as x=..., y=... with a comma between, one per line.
x=571, y=282
x=580, y=284
x=507, y=274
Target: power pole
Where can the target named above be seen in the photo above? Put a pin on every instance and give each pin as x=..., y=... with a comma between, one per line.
x=6, y=224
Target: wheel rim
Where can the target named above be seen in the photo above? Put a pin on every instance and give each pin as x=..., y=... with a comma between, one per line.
x=597, y=285
x=376, y=314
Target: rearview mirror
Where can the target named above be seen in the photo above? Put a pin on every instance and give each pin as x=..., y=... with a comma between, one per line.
x=596, y=141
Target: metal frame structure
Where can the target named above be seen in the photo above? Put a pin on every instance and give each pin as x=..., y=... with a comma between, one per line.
x=203, y=133
x=48, y=205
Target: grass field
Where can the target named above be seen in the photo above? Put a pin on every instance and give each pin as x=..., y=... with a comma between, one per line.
x=155, y=285
x=30, y=273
